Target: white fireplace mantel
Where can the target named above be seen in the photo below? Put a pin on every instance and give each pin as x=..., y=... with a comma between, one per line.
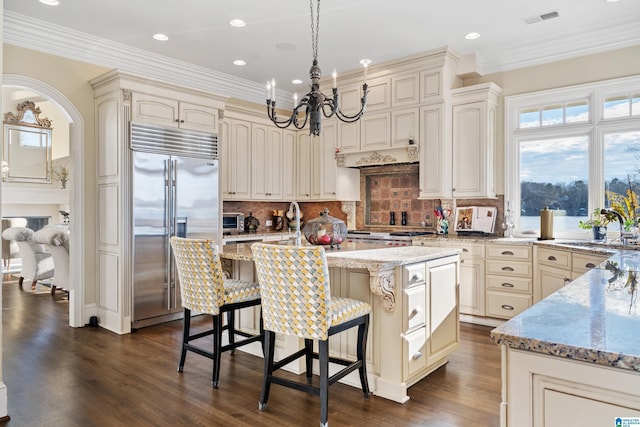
x=31, y=195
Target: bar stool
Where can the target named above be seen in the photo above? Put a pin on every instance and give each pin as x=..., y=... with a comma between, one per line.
x=296, y=300
x=204, y=290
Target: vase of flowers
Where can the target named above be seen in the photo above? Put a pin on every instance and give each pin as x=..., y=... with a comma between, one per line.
x=598, y=224
x=61, y=173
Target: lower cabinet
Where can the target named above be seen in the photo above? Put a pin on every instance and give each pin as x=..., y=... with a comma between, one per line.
x=509, y=279
x=541, y=390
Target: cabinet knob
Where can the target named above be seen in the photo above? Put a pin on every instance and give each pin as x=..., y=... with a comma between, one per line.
x=566, y=280
x=465, y=250
x=415, y=312
x=507, y=307
x=417, y=355
x=461, y=261
x=416, y=277
x=177, y=120
x=181, y=121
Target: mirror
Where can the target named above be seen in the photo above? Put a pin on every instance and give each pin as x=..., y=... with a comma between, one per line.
x=27, y=145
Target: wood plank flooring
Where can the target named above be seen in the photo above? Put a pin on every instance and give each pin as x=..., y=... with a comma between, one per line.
x=61, y=376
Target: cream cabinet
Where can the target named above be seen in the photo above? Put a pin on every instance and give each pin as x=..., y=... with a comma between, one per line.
x=329, y=181
x=509, y=279
x=553, y=271
x=289, y=171
x=435, y=152
x=472, y=273
x=303, y=167
x=474, y=140
x=375, y=131
x=582, y=262
x=267, y=157
x=405, y=89
x=236, y=159
x=405, y=127
x=168, y=112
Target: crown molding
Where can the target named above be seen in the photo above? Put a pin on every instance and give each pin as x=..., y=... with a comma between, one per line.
x=26, y=32
x=552, y=49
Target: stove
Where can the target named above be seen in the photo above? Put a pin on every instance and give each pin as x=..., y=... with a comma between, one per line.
x=394, y=238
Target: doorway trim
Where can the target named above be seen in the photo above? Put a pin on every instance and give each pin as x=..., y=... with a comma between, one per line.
x=76, y=189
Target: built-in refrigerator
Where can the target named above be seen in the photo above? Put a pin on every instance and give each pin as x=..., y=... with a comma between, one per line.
x=175, y=187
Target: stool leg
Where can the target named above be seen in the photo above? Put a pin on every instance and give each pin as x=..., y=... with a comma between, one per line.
x=186, y=325
x=262, y=332
x=217, y=345
x=308, y=355
x=231, y=328
x=269, y=348
x=323, y=356
x=361, y=351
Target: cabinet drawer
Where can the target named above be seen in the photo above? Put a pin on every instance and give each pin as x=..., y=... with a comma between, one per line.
x=414, y=275
x=554, y=258
x=509, y=268
x=415, y=297
x=520, y=253
x=469, y=250
x=505, y=306
x=585, y=262
x=510, y=284
x=414, y=355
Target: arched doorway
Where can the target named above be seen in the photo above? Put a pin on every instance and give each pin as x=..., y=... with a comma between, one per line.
x=76, y=187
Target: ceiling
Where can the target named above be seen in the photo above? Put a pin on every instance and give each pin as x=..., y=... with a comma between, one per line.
x=381, y=30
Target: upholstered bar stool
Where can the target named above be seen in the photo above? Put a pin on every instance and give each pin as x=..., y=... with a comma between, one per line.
x=296, y=300
x=204, y=290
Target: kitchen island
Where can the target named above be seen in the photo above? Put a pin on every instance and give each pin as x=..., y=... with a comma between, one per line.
x=413, y=292
x=574, y=357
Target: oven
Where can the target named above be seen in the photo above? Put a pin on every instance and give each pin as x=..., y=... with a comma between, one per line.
x=232, y=222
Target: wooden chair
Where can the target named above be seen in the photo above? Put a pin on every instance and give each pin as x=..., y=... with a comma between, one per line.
x=204, y=290
x=296, y=300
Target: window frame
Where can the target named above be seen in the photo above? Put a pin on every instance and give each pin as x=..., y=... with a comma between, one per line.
x=595, y=128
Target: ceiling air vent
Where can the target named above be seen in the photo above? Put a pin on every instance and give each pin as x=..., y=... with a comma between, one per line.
x=541, y=17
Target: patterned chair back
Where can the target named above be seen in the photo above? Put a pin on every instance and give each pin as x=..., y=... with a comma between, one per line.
x=200, y=274
x=294, y=285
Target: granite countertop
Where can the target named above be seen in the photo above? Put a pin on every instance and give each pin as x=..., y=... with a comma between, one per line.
x=593, y=319
x=359, y=255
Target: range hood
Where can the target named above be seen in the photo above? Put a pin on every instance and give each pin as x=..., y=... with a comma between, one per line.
x=391, y=156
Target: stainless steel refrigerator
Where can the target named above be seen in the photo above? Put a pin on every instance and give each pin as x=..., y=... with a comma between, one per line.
x=175, y=183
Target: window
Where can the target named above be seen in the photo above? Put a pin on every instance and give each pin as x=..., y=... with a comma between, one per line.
x=567, y=147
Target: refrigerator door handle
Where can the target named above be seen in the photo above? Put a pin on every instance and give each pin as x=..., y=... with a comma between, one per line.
x=173, y=288
x=168, y=214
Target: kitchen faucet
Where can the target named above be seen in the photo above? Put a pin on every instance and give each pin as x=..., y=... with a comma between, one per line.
x=623, y=240
x=295, y=205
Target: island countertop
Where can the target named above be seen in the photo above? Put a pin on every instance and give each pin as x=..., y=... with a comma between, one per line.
x=593, y=319
x=359, y=255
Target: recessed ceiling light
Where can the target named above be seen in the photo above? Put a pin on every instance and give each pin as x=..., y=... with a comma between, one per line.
x=239, y=62
x=612, y=1
x=365, y=62
x=161, y=37
x=50, y=2
x=472, y=36
x=238, y=23
x=296, y=81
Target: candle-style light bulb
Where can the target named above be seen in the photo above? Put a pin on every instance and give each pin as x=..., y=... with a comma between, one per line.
x=365, y=63
x=335, y=76
x=295, y=99
x=269, y=91
x=273, y=89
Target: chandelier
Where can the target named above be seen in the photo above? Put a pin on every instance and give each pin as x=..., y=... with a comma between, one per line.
x=315, y=104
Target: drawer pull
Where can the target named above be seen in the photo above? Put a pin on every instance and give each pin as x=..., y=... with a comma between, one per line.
x=507, y=269
x=589, y=265
x=566, y=280
x=415, y=312
x=465, y=250
x=417, y=355
x=507, y=285
x=416, y=277
x=551, y=258
x=507, y=253
x=507, y=307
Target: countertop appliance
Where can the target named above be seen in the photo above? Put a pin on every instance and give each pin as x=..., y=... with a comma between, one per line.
x=232, y=222
x=393, y=238
x=175, y=187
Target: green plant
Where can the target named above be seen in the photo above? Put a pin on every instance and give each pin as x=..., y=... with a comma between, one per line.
x=597, y=220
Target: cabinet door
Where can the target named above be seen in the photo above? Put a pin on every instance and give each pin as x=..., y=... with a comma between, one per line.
x=198, y=117
x=405, y=127
x=376, y=131
x=549, y=280
x=468, y=150
x=472, y=287
x=239, y=160
x=289, y=156
x=443, y=324
x=155, y=110
x=349, y=137
x=266, y=170
x=405, y=90
x=435, y=154
x=303, y=170
x=328, y=165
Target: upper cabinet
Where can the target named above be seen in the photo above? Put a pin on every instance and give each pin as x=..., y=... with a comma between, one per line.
x=174, y=113
x=235, y=154
x=474, y=140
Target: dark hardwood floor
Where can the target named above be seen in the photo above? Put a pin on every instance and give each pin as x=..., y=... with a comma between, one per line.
x=61, y=376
